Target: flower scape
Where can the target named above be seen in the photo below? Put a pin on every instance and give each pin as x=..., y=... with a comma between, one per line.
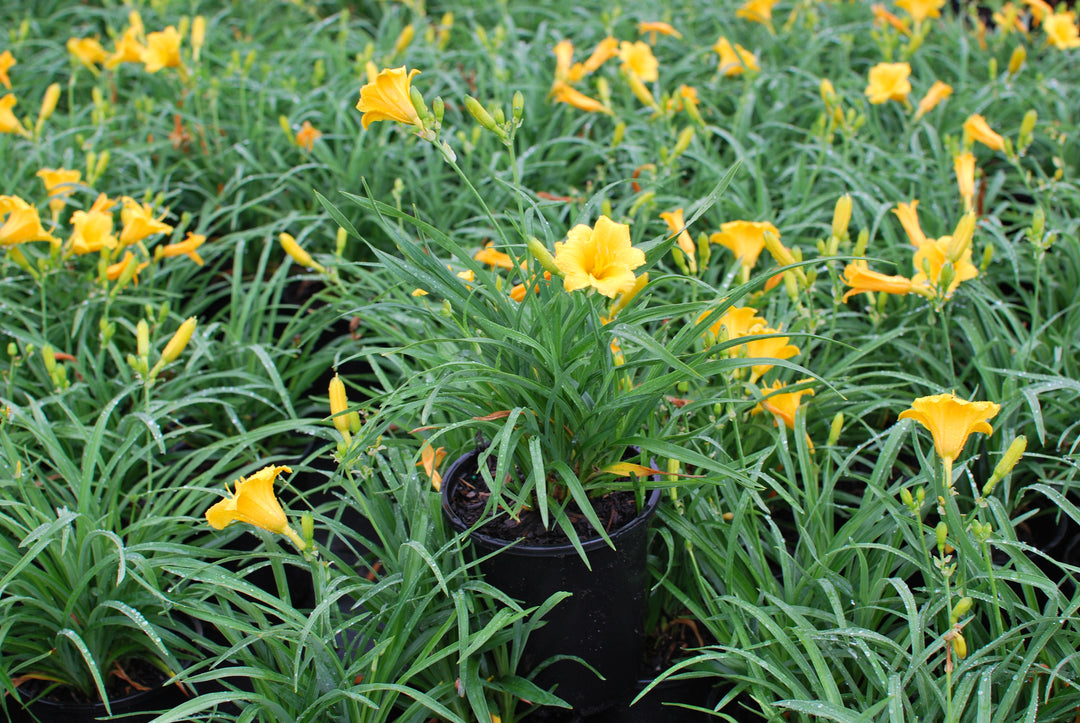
x=803, y=271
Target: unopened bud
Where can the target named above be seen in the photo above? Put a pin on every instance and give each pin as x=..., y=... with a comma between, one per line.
x=543, y=256
x=1027, y=128
x=617, y=135
x=1005, y=466
x=179, y=341
x=518, y=106
x=841, y=216
x=1016, y=60
x=298, y=254
x=960, y=609
x=479, y=112
x=941, y=533
x=861, y=243
x=142, y=339
x=339, y=402
x=959, y=645
x=404, y=38
x=342, y=237
x=49, y=357
x=686, y=135
x=438, y=108
x=48, y=104
x=835, y=428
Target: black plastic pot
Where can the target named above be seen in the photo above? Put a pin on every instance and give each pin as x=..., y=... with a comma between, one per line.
x=603, y=621
x=136, y=708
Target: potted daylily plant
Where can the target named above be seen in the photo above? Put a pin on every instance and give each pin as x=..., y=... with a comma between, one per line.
x=543, y=365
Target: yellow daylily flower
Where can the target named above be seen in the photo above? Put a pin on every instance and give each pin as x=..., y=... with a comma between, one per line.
x=738, y=321
x=883, y=17
x=677, y=225
x=138, y=222
x=162, y=50
x=757, y=11
x=6, y=61
x=307, y=135
x=888, y=81
x=862, y=280
x=746, y=239
x=604, y=51
x=950, y=420
x=909, y=218
x=115, y=271
x=938, y=92
x=187, y=247
x=964, y=167
x=59, y=183
x=563, y=93
x=1061, y=30
x=493, y=257
x=931, y=257
x=1040, y=9
x=128, y=49
x=387, y=98
x=734, y=59
x=22, y=224
x=1008, y=19
x=599, y=257
x=654, y=28
x=564, y=57
x=920, y=10
x=88, y=51
x=638, y=60
x=773, y=347
x=977, y=129
x=254, y=502
x=430, y=459
x=8, y=122
x=782, y=405
x=93, y=229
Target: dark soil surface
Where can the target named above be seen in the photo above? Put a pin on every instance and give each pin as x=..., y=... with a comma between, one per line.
x=469, y=496
x=137, y=676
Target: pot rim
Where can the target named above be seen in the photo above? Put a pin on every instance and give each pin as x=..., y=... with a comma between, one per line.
x=516, y=547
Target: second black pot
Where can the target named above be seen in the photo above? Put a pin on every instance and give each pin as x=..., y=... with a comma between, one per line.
x=602, y=622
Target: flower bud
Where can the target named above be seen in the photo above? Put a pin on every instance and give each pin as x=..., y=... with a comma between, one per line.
x=142, y=339
x=480, y=113
x=1016, y=60
x=48, y=104
x=835, y=428
x=959, y=645
x=1005, y=466
x=339, y=402
x=617, y=136
x=543, y=256
x=941, y=533
x=198, y=36
x=404, y=38
x=960, y=609
x=438, y=107
x=1027, y=128
x=686, y=135
x=518, y=106
x=861, y=243
x=841, y=216
x=49, y=357
x=298, y=254
x=179, y=341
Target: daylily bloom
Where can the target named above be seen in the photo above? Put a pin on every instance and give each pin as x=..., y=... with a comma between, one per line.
x=128, y=49
x=862, y=279
x=638, y=60
x=931, y=258
x=8, y=122
x=22, y=224
x=746, y=239
x=964, y=166
x=307, y=135
x=1061, y=30
x=782, y=405
x=187, y=247
x=757, y=11
x=254, y=502
x=734, y=59
x=908, y=214
x=920, y=10
x=888, y=81
x=600, y=257
x=773, y=347
x=387, y=98
x=115, y=271
x=564, y=56
x=738, y=321
x=493, y=257
x=883, y=17
x=430, y=459
x=88, y=51
x=1040, y=9
x=938, y=92
x=517, y=293
x=1008, y=19
x=138, y=222
x=6, y=61
x=977, y=129
x=653, y=28
x=677, y=225
x=93, y=229
x=59, y=183
x=563, y=93
x=162, y=50
x=604, y=51
x=950, y=420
